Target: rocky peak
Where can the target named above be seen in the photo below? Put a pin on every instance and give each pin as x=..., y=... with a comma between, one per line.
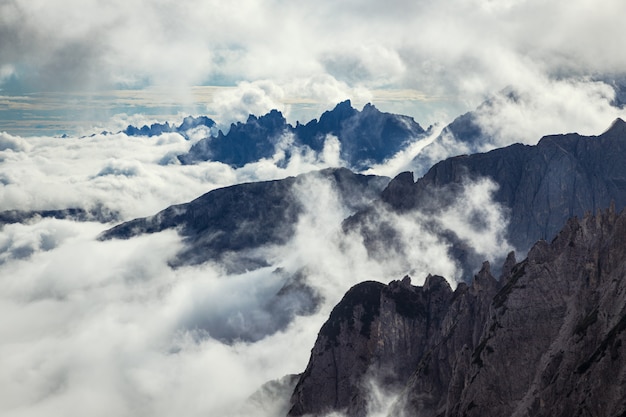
x=398, y=192
x=484, y=281
x=548, y=340
x=376, y=330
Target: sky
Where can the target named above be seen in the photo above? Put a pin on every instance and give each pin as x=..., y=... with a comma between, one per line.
x=70, y=65
x=107, y=328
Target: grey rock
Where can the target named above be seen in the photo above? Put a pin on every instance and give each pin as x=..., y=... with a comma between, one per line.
x=377, y=331
x=545, y=340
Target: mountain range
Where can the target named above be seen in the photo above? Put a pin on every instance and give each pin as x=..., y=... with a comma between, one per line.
x=364, y=137
x=542, y=336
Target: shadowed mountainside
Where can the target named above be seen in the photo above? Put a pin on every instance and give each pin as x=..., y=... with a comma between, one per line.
x=547, y=339
x=365, y=137
x=224, y=223
x=539, y=187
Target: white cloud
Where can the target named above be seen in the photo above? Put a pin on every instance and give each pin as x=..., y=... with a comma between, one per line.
x=105, y=328
x=12, y=143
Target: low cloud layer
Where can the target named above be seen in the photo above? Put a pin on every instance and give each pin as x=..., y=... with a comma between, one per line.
x=104, y=328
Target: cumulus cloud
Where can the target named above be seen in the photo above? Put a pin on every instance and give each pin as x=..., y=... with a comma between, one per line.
x=13, y=143
x=547, y=107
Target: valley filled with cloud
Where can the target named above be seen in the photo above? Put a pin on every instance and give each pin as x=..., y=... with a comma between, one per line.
x=112, y=327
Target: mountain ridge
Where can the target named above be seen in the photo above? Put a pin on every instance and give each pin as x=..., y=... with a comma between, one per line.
x=555, y=321
x=538, y=187
x=365, y=137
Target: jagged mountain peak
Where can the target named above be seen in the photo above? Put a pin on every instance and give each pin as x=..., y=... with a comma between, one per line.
x=618, y=127
x=156, y=129
x=366, y=138
x=551, y=334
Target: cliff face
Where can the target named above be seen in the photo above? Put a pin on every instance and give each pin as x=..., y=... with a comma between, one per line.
x=547, y=339
x=543, y=185
x=376, y=331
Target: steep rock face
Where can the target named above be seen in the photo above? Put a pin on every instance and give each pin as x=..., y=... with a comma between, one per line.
x=539, y=187
x=365, y=137
x=228, y=221
x=376, y=332
x=544, y=185
x=556, y=327
x=545, y=340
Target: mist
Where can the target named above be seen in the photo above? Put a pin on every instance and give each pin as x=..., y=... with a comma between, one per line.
x=109, y=327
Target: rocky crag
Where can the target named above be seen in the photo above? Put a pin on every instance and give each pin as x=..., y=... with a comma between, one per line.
x=545, y=339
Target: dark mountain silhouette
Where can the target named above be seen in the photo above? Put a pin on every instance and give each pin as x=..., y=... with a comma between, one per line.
x=157, y=129
x=546, y=339
x=251, y=141
x=99, y=214
x=366, y=137
x=225, y=223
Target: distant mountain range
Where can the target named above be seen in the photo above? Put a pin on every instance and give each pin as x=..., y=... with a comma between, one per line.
x=538, y=187
x=183, y=129
x=365, y=137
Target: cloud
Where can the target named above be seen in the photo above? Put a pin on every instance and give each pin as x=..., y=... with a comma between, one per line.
x=458, y=49
x=108, y=328
x=13, y=143
x=547, y=107
x=105, y=328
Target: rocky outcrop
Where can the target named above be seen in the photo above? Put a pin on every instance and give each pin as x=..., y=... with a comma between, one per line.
x=251, y=141
x=376, y=332
x=224, y=223
x=365, y=137
x=547, y=339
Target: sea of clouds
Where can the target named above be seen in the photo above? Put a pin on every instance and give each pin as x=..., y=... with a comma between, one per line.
x=109, y=328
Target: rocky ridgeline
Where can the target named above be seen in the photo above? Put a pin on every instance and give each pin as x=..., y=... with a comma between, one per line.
x=545, y=339
x=365, y=137
x=223, y=224
x=539, y=187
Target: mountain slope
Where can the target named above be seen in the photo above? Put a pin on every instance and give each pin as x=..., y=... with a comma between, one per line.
x=539, y=187
x=545, y=340
x=225, y=223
